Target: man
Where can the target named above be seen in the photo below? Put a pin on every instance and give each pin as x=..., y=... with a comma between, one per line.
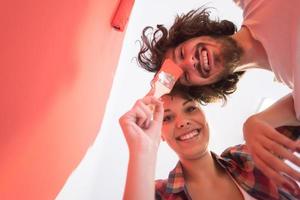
x=213, y=56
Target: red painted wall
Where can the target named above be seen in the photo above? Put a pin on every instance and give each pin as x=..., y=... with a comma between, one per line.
x=57, y=60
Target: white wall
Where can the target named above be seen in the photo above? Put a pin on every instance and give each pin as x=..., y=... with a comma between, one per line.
x=102, y=173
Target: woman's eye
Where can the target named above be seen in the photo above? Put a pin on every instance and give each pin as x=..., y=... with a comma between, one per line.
x=191, y=109
x=167, y=118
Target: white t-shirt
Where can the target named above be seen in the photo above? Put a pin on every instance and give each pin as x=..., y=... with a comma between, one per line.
x=276, y=24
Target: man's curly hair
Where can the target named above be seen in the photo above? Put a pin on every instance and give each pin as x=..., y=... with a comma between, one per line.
x=193, y=24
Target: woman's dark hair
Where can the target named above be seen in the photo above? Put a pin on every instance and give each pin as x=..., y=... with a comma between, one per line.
x=193, y=24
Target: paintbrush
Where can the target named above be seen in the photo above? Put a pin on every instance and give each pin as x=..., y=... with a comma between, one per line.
x=165, y=79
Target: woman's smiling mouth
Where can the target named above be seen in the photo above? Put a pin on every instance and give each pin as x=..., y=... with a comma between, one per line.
x=189, y=135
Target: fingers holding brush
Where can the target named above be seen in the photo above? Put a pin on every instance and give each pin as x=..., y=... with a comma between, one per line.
x=141, y=125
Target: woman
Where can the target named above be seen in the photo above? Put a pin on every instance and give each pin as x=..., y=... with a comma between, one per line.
x=199, y=174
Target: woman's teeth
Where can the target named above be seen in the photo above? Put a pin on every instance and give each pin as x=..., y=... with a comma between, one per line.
x=189, y=135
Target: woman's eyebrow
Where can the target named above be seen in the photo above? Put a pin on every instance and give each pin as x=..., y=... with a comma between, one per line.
x=187, y=101
x=167, y=110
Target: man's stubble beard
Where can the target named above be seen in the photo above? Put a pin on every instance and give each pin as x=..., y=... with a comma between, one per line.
x=230, y=55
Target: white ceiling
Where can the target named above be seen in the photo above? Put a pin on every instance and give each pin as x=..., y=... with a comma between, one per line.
x=101, y=174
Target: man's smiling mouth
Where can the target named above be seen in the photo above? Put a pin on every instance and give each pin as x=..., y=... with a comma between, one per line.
x=204, y=66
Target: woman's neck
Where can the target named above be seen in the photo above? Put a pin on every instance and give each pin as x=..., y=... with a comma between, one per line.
x=208, y=169
x=254, y=55
x=205, y=179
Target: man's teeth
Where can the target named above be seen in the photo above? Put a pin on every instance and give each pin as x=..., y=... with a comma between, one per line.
x=205, y=59
x=189, y=135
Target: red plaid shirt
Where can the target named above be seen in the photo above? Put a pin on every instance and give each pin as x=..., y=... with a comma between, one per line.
x=238, y=162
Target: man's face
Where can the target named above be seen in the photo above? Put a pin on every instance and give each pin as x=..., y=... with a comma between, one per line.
x=205, y=60
x=184, y=127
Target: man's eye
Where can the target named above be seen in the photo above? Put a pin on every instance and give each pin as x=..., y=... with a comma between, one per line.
x=181, y=54
x=186, y=77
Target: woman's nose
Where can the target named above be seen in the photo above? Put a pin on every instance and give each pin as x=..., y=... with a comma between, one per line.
x=183, y=123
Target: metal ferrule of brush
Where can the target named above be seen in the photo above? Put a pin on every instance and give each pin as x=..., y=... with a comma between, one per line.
x=166, y=79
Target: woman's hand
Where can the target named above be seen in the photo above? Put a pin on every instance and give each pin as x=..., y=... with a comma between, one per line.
x=142, y=129
x=269, y=148
x=142, y=125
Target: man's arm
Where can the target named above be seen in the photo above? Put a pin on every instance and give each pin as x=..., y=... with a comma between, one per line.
x=267, y=145
x=281, y=113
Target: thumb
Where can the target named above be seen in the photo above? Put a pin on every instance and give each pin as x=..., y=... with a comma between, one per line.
x=158, y=111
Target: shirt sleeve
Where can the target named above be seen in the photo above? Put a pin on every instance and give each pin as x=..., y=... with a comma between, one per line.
x=249, y=177
x=160, y=187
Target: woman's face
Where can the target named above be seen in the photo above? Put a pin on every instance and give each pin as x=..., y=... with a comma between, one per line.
x=184, y=127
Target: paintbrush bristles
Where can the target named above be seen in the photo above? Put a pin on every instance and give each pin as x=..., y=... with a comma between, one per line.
x=171, y=68
x=165, y=79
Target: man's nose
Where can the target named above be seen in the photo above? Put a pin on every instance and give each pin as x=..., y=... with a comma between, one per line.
x=188, y=63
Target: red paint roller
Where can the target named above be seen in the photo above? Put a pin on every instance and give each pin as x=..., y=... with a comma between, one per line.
x=122, y=14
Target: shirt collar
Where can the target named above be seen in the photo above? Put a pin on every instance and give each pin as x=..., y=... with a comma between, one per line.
x=176, y=182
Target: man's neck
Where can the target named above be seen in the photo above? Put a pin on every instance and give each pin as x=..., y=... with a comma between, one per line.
x=254, y=55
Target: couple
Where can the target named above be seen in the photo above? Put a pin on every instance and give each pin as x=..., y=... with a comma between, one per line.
x=213, y=56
